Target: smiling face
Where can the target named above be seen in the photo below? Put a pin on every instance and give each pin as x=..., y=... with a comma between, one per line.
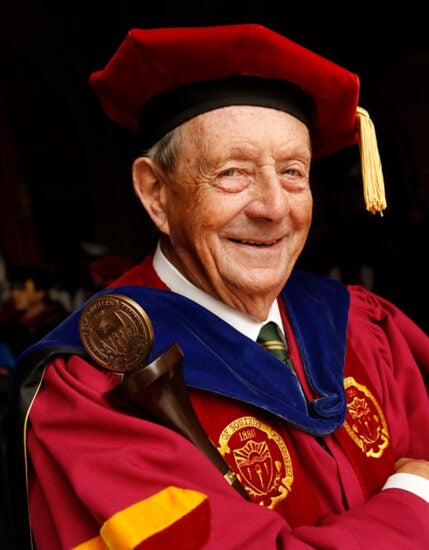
x=236, y=212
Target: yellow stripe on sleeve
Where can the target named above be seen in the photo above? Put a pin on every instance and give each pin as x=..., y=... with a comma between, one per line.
x=133, y=525
x=97, y=543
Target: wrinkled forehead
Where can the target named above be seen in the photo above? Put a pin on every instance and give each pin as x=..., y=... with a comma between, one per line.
x=244, y=123
x=244, y=133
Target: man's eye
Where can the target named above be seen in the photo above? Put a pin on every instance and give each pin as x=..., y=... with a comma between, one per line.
x=229, y=172
x=291, y=172
x=232, y=180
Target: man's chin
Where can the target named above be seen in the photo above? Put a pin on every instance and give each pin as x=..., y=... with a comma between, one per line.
x=261, y=286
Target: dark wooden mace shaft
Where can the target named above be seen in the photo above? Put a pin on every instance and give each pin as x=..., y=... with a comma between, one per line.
x=159, y=390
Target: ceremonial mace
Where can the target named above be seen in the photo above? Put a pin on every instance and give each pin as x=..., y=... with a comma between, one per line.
x=118, y=335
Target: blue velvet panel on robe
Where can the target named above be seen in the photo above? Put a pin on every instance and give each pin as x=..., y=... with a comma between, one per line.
x=219, y=359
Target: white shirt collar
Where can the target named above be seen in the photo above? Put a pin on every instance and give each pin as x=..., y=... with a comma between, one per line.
x=179, y=284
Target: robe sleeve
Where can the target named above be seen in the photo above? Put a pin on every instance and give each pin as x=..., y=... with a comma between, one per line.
x=102, y=479
x=396, y=324
x=396, y=353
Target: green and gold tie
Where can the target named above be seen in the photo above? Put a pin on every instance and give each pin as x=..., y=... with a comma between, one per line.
x=270, y=338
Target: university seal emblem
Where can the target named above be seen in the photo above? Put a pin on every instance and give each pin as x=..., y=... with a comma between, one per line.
x=365, y=422
x=259, y=457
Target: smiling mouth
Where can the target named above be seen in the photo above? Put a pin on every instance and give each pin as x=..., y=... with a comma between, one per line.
x=255, y=243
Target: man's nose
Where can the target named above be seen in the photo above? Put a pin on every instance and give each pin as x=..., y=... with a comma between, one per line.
x=269, y=200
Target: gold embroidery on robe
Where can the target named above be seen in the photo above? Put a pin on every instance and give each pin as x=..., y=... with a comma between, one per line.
x=260, y=458
x=365, y=422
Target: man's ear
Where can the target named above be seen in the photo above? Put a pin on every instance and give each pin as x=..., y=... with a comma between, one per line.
x=149, y=187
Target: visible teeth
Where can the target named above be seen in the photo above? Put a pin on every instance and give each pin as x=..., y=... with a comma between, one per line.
x=258, y=244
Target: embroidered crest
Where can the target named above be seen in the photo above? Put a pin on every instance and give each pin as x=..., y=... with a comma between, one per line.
x=365, y=422
x=260, y=458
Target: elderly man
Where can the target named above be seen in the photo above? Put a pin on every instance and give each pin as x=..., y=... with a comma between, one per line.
x=323, y=447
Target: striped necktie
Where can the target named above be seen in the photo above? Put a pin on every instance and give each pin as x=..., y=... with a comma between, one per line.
x=270, y=338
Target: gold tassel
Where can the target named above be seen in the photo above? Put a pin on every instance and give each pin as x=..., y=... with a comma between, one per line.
x=372, y=174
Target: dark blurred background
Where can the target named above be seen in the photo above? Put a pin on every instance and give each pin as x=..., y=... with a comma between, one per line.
x=65, y=185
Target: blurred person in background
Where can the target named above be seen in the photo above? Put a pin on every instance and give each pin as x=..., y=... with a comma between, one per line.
x=29, y=313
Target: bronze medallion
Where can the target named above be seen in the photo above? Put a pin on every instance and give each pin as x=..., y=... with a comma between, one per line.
x=116, y=332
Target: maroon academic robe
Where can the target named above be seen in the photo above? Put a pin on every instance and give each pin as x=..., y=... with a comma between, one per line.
x=100, y=478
